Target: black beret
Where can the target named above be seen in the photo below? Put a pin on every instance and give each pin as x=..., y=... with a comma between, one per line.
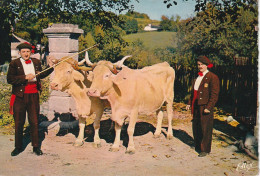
x=204, y=60
x=24, y=45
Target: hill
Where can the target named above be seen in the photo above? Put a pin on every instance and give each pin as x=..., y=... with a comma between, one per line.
x=153, y=40
x=142, y=19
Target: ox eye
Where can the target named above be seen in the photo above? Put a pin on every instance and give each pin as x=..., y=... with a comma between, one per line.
x=69, y=71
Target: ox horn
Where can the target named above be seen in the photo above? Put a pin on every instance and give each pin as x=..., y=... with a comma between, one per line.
x=83, y=68
x=120, y=63
x=76, y=64
x=87, y=59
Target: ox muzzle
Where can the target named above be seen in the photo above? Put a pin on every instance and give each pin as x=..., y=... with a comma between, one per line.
x=54, y=86
x=93, y=93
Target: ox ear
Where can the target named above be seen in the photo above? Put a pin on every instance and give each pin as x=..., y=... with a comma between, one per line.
x=78, y=76
x=116, y=82
x=90, y=76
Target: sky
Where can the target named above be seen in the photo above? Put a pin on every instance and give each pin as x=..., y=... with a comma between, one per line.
x=156, y=8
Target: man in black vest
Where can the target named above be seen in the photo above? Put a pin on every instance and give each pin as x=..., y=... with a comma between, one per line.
x=25, y=95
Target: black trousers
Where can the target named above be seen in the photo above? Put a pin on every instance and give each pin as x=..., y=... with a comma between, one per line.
x=202, y=127
x=28, y=103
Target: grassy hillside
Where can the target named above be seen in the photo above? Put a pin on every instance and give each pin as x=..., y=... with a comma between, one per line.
x=142, y=22
x=153, y=40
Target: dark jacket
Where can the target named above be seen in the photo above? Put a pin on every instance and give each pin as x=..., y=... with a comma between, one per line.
x=208, y=91
x=16, y=75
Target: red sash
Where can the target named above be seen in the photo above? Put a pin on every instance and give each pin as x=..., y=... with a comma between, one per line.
x=12, y=104
x=195, y=96
x=31, y=87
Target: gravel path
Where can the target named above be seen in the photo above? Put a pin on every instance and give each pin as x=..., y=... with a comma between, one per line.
x=153, y=157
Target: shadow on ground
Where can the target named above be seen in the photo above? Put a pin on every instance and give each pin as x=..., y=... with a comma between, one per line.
x=68, y=124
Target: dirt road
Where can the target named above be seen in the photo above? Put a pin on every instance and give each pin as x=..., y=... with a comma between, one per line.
x=153, y=157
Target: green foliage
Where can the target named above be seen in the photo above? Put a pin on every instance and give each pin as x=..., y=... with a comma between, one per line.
x=141, y=56
x=137, y=15
x=219, y=38
x=86, y=42
x=142, y=20
x=6, y=17
x=6, y=119
x=110, y=43
x=5, y=95
x=45, y=93
x=27, y=18
x=166, y=24
x=170, y=24
x=130, y=26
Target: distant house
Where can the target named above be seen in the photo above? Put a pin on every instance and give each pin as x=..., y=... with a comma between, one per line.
x=151, y=27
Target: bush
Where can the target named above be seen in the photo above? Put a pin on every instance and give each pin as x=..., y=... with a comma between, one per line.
x=6, y=118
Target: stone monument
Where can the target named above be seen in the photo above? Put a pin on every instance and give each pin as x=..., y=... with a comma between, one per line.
x=63, y=41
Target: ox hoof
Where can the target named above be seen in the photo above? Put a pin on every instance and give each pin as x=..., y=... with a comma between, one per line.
x=78, y=143
x=169, y=137
x=156, y=135
x=130, y=152
x=98, y=145
x=112, y=149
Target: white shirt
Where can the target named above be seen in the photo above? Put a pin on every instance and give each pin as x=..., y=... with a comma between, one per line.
x=199, y=79
x=28, y=68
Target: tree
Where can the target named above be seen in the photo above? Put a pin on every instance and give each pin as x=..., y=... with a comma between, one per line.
x=219, y=38
x=130, y=26
x=137, y=15
x=166, y=24
x=55, y=11
x=7, y=20
x=170, y=24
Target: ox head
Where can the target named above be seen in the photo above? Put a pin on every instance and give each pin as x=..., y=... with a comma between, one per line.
x=66, y=72
x=103, y=77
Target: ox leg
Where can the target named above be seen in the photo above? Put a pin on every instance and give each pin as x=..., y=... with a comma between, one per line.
x=158, y=130
x=115, y=146
x=79, y=140
x=130, y=130
x=169, y=114
x=97, y=142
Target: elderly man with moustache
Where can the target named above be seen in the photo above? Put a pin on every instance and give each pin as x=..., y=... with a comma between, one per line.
x=204, y=97
x=25, y=95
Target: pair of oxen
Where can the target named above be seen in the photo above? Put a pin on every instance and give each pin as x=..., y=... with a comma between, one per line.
x=129, y=92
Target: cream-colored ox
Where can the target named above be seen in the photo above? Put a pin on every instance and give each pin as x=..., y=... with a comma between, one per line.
x=132, y=92
x=70, y=78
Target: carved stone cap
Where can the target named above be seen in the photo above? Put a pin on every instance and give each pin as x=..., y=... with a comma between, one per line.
x=62, y=28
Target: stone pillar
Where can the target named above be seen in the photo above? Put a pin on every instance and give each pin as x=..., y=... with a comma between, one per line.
x=63, y=41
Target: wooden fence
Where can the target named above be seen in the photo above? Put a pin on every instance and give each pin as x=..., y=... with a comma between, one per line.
x=238, y=89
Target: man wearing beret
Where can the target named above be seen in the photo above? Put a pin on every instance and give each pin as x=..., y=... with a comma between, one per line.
x=25, y=95
x=203, y=99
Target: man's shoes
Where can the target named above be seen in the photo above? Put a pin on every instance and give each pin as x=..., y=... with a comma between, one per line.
x=16, y=152
x=202, y=154
x=37, y=151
